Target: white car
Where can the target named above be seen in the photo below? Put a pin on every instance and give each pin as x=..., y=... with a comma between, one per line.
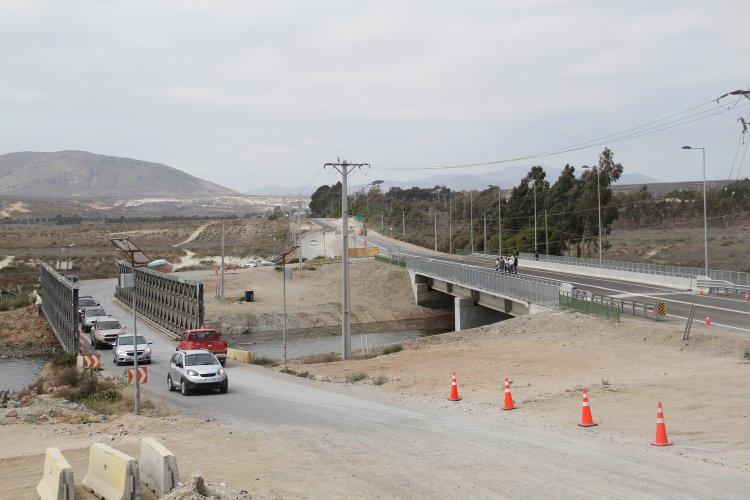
x=313, y=243
x=196, y=369
x=122, y=351
x=105, y=331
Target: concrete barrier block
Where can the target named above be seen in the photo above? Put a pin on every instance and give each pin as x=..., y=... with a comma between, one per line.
x=158, y=467
x=57, y=481
x=241, y=356
x=112, y=474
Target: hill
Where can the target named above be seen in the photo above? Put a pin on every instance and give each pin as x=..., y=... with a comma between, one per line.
x=83, y=175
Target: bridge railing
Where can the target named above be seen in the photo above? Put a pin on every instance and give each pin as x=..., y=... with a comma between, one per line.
x=172, y=302
x=60, y=307
x=734, y=277
x=536, y=290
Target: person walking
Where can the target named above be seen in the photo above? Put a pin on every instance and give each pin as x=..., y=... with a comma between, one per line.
x=511, y=264
x=515, y=264
x=38, y=302
x=502, y=264
x=497, y=264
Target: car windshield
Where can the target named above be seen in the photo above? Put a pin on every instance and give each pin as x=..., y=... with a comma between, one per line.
x=203, y=335
x=86, y=302
x=108, y=325
x=200, y=359
x=95, y=311
x=128, y=340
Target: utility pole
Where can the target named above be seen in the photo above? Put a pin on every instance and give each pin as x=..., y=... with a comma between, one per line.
x=546, y=234
x=346, y=341
x=450, y=225
x=471, y=219
x=499, y=222
x=436, y=230
x=221, y=292
x=403, y=224
x=484, y=248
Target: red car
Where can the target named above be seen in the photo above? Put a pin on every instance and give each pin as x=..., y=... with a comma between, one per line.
x=204, y=338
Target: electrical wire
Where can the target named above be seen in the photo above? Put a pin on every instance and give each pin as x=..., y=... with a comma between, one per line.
x=639, y=131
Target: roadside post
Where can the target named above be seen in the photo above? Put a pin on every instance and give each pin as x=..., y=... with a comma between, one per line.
x=128, y=281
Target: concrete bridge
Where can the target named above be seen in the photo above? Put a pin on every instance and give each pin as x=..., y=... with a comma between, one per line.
x=479, y=295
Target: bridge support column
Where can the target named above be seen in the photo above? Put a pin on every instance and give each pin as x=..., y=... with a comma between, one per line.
x=426, y=297
x=469, y=315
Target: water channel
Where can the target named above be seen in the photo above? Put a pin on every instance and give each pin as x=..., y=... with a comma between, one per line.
x=17, y=373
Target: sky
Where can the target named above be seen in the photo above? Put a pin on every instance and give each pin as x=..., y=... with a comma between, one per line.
x=254, y=93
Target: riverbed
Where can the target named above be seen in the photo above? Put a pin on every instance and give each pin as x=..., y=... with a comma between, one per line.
x=17, y=373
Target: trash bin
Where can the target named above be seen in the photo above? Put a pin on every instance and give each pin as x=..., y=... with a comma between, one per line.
x=249, y=296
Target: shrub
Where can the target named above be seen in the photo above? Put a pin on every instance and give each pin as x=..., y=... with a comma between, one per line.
x=379, y=380
x=390, y=349
x=264, y=361
x=64, y=359
x=355, y=377
x=67, y=376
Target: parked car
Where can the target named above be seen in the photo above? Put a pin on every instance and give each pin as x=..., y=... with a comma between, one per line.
x=204, y=338
x=122, y=350
x=196, y=369
x=91, y=314
x=105, y=331
x=84, y=302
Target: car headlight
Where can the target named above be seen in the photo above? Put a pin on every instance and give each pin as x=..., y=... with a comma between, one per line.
x=221, y=371
x=192, y=373
x=147, y=350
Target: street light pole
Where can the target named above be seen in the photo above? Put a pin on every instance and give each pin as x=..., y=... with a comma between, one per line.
x=450, y=225
x=471, y=219
x=705, y=213
x=535, y=246
x=599, y=203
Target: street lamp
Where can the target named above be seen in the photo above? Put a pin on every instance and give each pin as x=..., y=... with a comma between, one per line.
x=64, y=261
x=705, y=219
x=599, y=202
x=535, y=247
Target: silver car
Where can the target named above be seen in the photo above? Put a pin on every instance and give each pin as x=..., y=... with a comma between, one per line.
x=90, y=315
x=122, y=350
x=105, y=331
x=196, y=369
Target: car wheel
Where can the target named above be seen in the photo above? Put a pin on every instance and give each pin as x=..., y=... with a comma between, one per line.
x=184, y=388
x=170, y=385
x=224, y=388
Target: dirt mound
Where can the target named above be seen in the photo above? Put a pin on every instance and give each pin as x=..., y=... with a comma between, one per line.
x=23, y=332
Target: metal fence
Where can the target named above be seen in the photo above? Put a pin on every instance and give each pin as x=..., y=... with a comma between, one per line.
x=60, y=307
x=391, y=259
x=589, y=307
x=172, y=302
x=735, y=277
x=536, y=290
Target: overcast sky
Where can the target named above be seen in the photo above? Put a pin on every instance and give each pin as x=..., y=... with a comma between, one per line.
x=251, y=93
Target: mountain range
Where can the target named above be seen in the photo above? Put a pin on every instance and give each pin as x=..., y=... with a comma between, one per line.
x=83, y=175
x=506, y=178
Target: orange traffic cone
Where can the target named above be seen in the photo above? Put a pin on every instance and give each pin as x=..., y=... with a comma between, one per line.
x=661, y=429
x=508, y=397
x=586, y=419
x=454, y=389
x=708, y=321
x=747, y=297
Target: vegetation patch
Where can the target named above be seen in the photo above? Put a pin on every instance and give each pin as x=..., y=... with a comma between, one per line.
x=390, y=349
x=355, y=377
x=379, y=380
x=264, y=361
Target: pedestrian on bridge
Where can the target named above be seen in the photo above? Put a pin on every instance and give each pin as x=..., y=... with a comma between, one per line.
x=511, y=264
x=501, y=266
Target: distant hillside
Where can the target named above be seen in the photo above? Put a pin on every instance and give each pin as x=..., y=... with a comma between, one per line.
x=78, y=174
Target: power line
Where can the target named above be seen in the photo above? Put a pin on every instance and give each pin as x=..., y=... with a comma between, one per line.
x=639, y=131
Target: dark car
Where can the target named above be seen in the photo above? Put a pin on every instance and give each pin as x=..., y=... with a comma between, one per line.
x=72, y=277
x=84, y=302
